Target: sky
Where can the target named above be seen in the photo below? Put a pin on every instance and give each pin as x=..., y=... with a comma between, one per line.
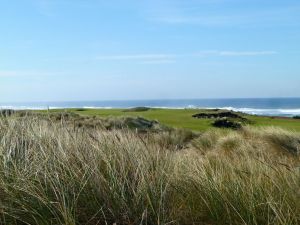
x=76, y=50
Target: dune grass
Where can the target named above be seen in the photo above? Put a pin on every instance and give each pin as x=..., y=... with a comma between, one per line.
x=182, y=118
x=55, y=173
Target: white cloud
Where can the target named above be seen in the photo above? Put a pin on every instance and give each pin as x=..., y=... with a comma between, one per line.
x=246, y=53
x=234, y=53
x=171, y=58
x=150, y=57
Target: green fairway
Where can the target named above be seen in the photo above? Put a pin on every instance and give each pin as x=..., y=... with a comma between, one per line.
x=182, y=118
x=286, y=123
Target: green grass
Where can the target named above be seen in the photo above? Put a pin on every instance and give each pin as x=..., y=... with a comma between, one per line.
x=182, y=118
x=286, y=123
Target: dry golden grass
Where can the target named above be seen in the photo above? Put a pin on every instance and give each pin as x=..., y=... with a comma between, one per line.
x=55, y=173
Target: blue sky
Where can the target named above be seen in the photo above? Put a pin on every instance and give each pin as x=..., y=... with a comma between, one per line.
x=53, y=50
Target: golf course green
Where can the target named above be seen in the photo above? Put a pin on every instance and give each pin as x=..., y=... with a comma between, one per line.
x=183, y=118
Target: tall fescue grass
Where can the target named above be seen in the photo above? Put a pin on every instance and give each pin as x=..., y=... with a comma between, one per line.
x=54, y=173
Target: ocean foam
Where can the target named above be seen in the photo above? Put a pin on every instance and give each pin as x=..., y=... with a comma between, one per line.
x=267, y=112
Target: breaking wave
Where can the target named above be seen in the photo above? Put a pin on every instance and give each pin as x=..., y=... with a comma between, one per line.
x=266, y=112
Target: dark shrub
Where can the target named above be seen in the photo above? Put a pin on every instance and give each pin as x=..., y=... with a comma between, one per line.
x=226, y=123
x=81, y=110
x=137, y=109
x=6, y=112
x=216, y=115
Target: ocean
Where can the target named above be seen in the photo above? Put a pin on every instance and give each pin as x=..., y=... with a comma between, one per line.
x=286, y=107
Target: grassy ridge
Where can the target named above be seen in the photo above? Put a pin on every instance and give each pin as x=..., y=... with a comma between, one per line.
x=54, y=173
x=182, y=118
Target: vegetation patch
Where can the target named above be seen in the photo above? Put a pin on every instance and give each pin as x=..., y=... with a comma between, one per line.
x=223, y=119
x=81, y=110
x=134, y=123
x=217, y=115
x=137, y=109
x=6, y=112
x=54, y=173
x=71, y=118
x=227, y=123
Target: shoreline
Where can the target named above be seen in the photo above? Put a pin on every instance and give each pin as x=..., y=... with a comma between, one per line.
x=275, y=112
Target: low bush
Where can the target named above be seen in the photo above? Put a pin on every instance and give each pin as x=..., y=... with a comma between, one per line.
x=227, y=123
x=137, y=109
